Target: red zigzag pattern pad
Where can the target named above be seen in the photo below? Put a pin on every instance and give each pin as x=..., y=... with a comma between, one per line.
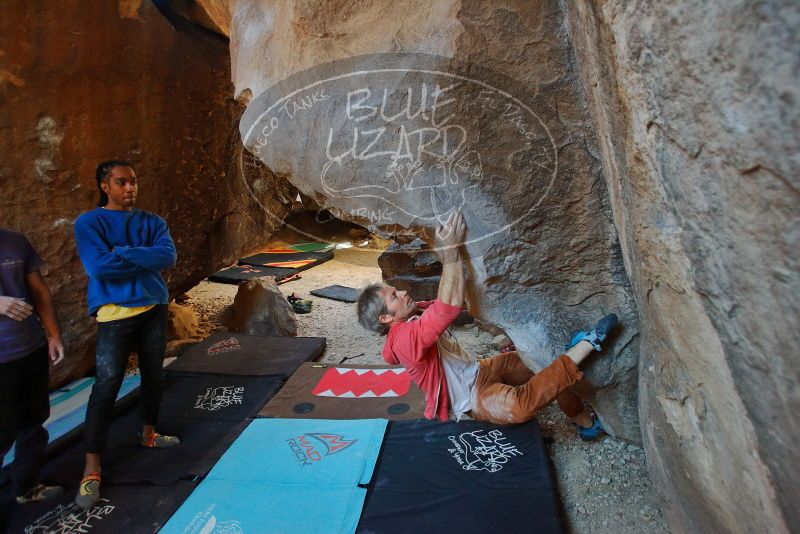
x=351, y=383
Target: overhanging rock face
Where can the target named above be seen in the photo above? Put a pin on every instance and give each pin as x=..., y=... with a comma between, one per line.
x=486, y=120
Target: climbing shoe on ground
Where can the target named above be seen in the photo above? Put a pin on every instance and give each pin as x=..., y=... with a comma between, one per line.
x=159, y=441
x=597, y=335
x=40, y=492
x=88, y=491
x=593, y=432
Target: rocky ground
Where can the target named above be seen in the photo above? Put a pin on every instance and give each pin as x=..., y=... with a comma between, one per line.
x=604, y=485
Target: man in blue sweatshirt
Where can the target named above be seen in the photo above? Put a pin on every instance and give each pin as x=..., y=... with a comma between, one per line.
x=123, y=251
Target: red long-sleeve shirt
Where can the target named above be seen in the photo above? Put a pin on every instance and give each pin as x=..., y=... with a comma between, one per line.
x=412, y=344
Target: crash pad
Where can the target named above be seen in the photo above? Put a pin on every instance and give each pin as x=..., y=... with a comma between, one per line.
x=462, y=477
x=208, y=397
x=132, y=509
x=330, y=391
x=232, y=506
x=241, y=273
x=229, y=353
x=286, y=475
x=300, y=256
x=337, y=292
x=304, y=451
x=125, y=461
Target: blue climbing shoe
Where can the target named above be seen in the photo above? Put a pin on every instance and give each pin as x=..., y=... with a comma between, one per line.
x=593, y=432
x=597, y=335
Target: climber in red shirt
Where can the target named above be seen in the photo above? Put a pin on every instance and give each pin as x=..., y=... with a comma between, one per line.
x=500, y=389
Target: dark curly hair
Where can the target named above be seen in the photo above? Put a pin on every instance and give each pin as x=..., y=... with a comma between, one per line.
x=102, y=173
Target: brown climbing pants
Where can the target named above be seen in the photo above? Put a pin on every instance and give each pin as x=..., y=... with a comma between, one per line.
x=506, y=391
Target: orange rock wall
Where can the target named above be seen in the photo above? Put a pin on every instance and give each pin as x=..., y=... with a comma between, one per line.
x=81, y=82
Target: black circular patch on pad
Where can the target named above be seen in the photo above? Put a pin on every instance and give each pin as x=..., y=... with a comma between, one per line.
x=304, y=407
x=398, y=409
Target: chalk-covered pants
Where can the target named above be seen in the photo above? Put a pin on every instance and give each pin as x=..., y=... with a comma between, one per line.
x=506, y=391
x=145, y=334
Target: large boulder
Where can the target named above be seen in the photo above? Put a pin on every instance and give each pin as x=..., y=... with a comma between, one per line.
x=83, y=82
x=697, y=125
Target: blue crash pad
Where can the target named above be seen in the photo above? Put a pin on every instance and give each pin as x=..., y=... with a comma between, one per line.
x=234, y=506
x=304, y=451
x=287, y=475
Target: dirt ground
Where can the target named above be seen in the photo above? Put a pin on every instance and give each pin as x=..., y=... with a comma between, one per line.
x=603, y=485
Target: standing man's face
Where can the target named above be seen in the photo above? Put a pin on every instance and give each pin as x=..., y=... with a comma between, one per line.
x=120, y=186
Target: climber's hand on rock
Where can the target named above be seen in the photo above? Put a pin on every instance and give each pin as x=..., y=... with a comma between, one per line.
x=450, y=235
x=15, y=308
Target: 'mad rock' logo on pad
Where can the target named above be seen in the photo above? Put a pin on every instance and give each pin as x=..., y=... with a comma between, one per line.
x=226, y=345
x=315, y=446
x=482, y=451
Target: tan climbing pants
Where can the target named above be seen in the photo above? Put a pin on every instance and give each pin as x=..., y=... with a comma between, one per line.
x=506, y=391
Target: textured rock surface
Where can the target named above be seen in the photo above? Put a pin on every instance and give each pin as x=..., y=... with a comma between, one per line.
x=697, y=118
x=83, y=82
x=411, y=267
x=260, y=309
x=544, y=255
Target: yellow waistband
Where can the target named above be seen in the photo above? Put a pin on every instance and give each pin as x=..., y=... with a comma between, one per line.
x=112, y=312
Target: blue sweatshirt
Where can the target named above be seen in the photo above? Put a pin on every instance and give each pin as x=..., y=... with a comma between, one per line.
x=123, y=253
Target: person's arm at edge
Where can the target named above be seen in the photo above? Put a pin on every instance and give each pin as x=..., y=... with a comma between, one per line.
x=43, y=304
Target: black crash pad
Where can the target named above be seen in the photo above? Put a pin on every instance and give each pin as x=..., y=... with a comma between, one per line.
x=241, y=273
x=337, y=292
x=206, y=397
x=461, y=477
x=125, y=461
x=132, y=509
x=228, y=353
x=300, y=260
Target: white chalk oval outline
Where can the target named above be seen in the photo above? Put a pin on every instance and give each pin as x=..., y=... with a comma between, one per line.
x=423, y=71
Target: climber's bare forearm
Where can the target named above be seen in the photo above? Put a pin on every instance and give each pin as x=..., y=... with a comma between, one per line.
x=451, y=285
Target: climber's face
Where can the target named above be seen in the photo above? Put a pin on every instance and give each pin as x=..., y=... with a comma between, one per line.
x=398, y=305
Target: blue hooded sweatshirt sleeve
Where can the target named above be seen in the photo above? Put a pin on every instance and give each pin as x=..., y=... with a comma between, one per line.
x=123, y=253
